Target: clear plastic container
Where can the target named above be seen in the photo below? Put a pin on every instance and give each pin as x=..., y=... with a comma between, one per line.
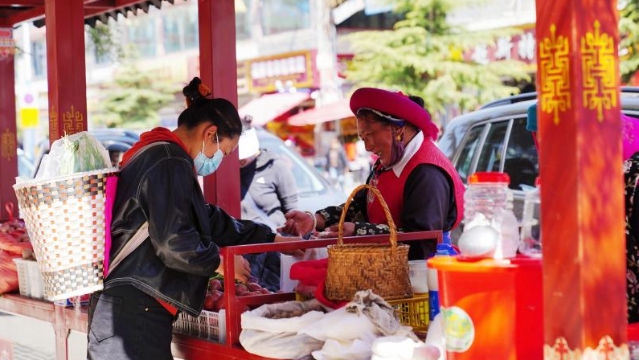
x=489, y=202
x=530, y=243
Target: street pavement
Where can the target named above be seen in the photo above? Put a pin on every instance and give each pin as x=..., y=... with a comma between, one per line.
x=33, y=339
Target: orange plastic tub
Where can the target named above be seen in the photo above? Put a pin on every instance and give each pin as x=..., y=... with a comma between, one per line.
x=492, y=309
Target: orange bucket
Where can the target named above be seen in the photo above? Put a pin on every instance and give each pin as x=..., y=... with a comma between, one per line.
x=491, y=308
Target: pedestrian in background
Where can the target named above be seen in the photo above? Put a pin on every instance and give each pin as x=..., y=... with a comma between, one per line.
x=336, y=163
x=268, y=191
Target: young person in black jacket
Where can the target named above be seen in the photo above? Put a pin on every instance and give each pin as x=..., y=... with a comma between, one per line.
x=168, y=272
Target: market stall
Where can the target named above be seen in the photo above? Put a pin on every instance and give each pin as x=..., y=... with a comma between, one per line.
x=578, y=84
x=64, y=319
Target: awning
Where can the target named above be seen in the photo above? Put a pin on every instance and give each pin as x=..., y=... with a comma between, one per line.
x=329, y=112
x=271, y=106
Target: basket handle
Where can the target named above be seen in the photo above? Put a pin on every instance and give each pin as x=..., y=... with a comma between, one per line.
x=389, y=218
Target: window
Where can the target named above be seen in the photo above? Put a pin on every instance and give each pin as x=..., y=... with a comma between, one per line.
x=141, y=32
x=521, y=162
x=285, y=15
x=39, y=58
x=492, y=152
x=180, y=29
x=469, y=148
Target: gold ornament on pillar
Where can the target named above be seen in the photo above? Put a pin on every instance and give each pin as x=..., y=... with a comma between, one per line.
x=554, y=64
x=599, y=71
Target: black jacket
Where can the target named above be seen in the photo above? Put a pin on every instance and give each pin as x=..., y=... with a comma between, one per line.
x=159, y=185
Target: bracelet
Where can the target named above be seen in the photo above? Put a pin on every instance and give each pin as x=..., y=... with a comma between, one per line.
x=308, y=234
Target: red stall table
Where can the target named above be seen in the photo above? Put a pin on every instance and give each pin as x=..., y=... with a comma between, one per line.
x=65, y=319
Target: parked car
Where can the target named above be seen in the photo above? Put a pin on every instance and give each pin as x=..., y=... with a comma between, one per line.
x=495, y=138
x=315, y=192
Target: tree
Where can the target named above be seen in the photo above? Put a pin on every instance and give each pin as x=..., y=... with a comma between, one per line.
x=423, y=55
x=133, y=99
x=629, y=34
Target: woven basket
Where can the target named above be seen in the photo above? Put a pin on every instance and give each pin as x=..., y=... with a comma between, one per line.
x=66, y=223
x=383, y=268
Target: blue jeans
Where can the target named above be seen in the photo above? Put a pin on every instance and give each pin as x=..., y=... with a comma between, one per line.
x=125, y=323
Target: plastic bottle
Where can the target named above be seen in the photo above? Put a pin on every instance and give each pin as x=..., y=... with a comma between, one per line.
x=530, y=243
x=489, y=201
x=443, y=249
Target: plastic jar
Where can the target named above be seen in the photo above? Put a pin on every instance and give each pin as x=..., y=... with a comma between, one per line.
x=530, y=243
x=489, y=202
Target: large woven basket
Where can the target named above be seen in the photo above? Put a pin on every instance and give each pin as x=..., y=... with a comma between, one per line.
x=65, y=218
x=383, y=268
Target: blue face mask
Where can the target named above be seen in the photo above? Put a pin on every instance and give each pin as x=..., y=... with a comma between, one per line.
x=205, y=165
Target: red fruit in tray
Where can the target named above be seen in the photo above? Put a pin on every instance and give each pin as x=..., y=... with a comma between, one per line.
x=219, y=304
x=215, y=284
x=209, y=302
x=240, y=289
x=253, y=286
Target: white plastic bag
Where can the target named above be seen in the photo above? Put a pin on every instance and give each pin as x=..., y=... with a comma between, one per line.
x=343, y=326
x=79, y=152
x=272, y=329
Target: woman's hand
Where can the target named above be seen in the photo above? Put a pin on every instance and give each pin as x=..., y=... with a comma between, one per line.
x=298, y=223
x=332, y=231
x=281, y=239
x=242, y=268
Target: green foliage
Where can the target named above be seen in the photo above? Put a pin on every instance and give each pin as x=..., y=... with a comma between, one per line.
x=629, y=34
x=133, y=99
x=422, y=56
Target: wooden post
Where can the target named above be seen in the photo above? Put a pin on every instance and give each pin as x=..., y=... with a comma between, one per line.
x=580, y=157
x=8, y=137
x=218, y=70
x=66, y=68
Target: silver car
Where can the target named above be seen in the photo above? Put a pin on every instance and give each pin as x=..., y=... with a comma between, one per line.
x=495, y=138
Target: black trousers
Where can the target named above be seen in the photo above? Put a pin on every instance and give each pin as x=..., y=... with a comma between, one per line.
x=125, y=323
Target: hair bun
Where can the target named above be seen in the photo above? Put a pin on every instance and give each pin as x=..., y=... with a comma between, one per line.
x=195, y=90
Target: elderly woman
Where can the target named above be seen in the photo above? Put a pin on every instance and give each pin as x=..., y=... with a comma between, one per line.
x=418, y=182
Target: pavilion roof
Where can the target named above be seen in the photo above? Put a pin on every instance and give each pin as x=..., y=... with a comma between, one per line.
x=13, y=12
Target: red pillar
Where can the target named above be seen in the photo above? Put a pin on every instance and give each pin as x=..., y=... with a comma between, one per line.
x=218, y=69
x=580, y=156
x=8, y=138
x=66, y=67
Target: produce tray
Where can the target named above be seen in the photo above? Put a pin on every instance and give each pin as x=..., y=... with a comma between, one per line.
x=412, y=311
x=209, y=325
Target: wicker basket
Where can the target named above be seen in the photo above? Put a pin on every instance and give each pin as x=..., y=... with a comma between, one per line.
x=383, y=268
x=65, y=218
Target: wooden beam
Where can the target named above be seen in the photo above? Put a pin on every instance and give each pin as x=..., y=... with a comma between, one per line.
x=66, y=68
x=218, y=67
x=99, y=4
x=31, y=14
x=25, y=3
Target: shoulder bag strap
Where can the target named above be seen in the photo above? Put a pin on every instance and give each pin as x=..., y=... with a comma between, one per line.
x=133, y=243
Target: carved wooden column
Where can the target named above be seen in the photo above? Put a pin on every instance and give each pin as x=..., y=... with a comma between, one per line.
x=218, y=69
x=66, y=67
x=581, y=172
